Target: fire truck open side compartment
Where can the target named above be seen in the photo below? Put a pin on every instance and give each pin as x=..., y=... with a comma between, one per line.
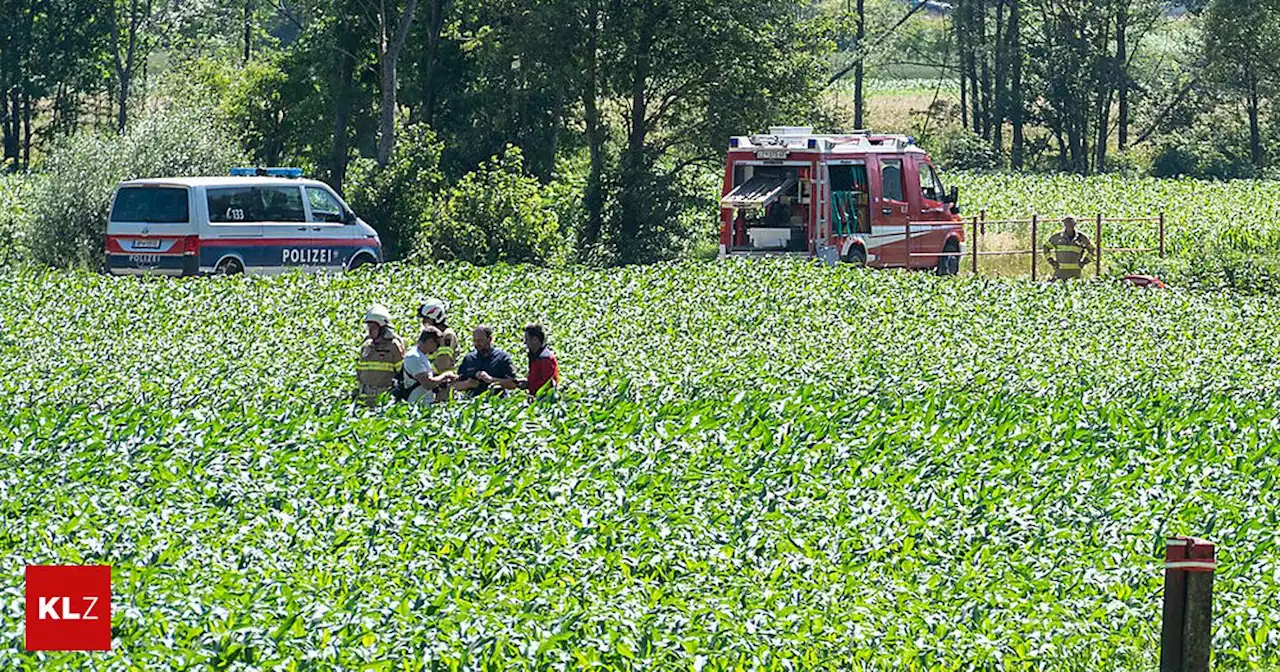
x=855, y=197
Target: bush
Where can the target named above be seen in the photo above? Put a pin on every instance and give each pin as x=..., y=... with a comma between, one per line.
x=394, y=199
x=13, y=190
x=962, y=149
x=1217, y=147
x=494, y=214
x=68, y=207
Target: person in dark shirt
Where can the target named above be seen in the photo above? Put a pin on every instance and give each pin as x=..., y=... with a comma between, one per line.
x=485, y=367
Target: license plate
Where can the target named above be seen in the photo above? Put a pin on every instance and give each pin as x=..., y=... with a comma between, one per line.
x=141, y=244
x=144, y=259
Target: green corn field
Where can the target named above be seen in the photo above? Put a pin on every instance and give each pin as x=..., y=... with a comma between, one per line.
x=765, y=465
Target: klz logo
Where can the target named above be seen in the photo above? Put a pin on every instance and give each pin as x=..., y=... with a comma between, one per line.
x=68, y=608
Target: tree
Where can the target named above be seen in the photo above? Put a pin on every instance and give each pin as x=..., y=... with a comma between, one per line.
x=128, y=21
x=393, y=28
x=1240, y=36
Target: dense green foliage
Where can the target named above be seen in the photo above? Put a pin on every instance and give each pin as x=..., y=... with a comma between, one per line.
x=395, y=198
x=757, y=465
x=498, y=213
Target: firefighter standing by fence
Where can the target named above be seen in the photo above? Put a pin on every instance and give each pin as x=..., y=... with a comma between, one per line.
x=1068, y=251
x=381, y=356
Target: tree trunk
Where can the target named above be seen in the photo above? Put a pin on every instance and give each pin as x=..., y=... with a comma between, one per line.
x=594, y=197
x=435, y=24
x=1000, y=103
x=122, y=118
x=962, y=47
x=1016, y=97
x=338, y=150
x=26, y=132
x=1255, y=132
x=984, y=56
x=635, y=165
x=248, y=27
x=859, y=104
x=389, y=47
x=975, y=100
x=1122, y=82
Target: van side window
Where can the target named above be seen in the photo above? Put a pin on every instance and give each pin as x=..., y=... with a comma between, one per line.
x=232, y=205
x=255, y=204
x=324, y=207
x=891, y=180
x=282, y=204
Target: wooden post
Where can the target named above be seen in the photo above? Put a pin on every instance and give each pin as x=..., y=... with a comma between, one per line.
x=1035, y=246
x=982, y=217
x=1186, y=630
x=1097, y=261
x=975, y=245
x=1162, y=235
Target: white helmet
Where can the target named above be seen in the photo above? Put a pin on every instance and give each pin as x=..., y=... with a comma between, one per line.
x=433, y=309
x=378, y=313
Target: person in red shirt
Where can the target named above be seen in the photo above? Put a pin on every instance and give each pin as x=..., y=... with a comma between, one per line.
x=544, y=370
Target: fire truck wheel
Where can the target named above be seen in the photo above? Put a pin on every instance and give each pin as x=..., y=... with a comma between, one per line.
x=949, y=265
x=856, y=256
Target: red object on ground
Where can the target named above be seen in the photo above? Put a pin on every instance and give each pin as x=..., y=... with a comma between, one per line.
x=1145, y=281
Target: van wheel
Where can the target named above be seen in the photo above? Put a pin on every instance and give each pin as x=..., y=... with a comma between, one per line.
x=856, y=256
x=229, y=267
x=360, y=260
x=949, y=265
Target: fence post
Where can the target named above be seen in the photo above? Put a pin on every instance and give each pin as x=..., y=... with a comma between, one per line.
x=1035, y=246
x=975, y=246
x=1162, y=234
x=1186, y=628
x=982, y=216
x=1097, y=262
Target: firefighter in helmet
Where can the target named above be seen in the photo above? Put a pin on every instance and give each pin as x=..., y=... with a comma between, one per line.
x=381, y=356
x=1068, y=251
x=432, y=312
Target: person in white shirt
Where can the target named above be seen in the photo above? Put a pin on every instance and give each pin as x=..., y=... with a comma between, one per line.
x=421, y=380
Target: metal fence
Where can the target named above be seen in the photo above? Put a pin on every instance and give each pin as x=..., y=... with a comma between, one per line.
x=978, y=229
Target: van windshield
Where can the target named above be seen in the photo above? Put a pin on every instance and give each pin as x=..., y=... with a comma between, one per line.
x=152, y=205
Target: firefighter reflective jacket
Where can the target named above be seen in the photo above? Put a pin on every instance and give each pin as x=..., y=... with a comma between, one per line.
x=1071, y=254
x=379, y=364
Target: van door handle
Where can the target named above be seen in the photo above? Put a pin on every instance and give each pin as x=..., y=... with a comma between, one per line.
x=886, y=211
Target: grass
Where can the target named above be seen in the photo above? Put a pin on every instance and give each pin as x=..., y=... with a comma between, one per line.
x=756, y=465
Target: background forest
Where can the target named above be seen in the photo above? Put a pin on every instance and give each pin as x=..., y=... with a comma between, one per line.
x=548, y=131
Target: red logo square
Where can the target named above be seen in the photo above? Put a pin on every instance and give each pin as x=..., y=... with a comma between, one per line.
x=68, y=608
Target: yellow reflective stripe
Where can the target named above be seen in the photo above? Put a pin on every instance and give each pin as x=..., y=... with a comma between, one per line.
x=442, y=350
x=1068, y=266
x=377, y=366
x=1068, y=248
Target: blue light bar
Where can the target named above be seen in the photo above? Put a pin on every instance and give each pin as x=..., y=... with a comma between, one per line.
x=266, y=172
x=733, y=142
x=813, y=143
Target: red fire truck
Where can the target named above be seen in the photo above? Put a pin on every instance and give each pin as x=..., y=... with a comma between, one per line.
x=862, y=198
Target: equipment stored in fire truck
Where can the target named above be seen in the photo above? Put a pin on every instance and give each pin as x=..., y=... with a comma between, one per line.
x=862, y=198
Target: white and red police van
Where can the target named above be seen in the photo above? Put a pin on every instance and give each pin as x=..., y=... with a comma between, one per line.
x=854, y=197
x=255, y=221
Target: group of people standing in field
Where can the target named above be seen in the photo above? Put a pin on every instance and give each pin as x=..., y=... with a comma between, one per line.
x=431, y=371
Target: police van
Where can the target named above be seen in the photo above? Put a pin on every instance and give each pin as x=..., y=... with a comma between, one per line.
x=254, y=221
